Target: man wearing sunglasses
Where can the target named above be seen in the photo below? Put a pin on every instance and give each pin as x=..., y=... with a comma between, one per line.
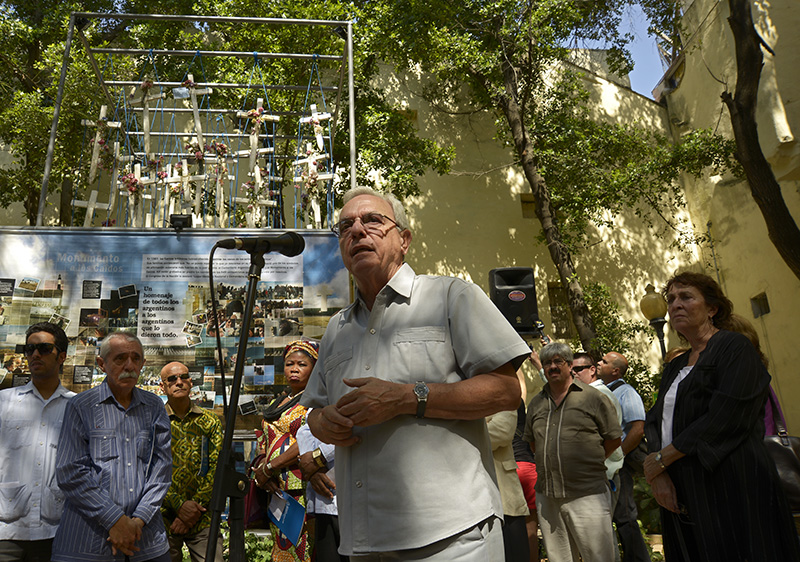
x=196, y=445
x=114, y=465
x=30, y=423
x=405, y=377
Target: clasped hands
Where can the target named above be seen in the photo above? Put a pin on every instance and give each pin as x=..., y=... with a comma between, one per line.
x=660, y=484
x=124, y=535
x=188, y=516
x=372, y=401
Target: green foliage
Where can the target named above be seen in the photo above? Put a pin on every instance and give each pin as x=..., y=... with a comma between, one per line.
x=512, y=58
x=32, y=47
x=257, y=548
x=397, y=168
x=649, y=512
x=614, y=333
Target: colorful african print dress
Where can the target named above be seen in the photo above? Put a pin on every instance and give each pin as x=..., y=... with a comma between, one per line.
x=280, y=430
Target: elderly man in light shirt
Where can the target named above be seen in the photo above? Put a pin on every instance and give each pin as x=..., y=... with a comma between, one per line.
x=405, y=377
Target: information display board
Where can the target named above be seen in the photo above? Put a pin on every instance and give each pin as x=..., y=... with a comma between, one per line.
x=155, y=284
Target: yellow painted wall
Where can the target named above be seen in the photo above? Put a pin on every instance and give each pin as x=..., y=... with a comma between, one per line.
x=747, y=262
x=471, y=221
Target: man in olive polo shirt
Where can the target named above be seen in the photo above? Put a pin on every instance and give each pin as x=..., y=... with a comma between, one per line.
x=572, y=428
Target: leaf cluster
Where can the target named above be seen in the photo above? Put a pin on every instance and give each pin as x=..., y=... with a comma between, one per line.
x=597, y=170
x=614, y=333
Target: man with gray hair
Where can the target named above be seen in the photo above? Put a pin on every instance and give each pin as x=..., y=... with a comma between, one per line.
x=572, y=428
x=405, y=377
x=114, y=465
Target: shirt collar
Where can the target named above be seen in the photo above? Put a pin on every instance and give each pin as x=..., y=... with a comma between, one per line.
x=574, y=385
x=193, y=409
x=401, y=283
x=106, y=394
x=29, y=388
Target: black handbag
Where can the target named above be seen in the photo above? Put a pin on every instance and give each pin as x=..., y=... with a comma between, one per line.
x=785, y=451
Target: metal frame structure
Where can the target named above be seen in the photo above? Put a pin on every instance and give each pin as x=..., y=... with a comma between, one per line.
x=79, y=20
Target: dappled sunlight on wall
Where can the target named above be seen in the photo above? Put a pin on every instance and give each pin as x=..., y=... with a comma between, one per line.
x=743, y=257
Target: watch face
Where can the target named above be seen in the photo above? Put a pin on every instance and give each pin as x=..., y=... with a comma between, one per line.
x=421, y=390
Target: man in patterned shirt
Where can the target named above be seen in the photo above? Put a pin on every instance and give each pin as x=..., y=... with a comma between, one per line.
x=196, y=445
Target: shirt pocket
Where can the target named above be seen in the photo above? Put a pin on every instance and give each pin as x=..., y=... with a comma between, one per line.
x=14, y=501
x=333, y=362
x=17, y=434
x=335, y=370
x=423, y=355
x=103, y=444
x=52, y=503
x=144, y=445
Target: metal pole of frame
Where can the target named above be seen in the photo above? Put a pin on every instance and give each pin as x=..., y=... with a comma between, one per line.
x=51, y=145
x=351, y=115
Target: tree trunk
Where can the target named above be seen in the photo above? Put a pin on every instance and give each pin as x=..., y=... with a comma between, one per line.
x=765, y=189
x=546, y=214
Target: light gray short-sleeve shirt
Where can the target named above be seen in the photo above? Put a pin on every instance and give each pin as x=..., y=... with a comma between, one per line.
x=411, y=482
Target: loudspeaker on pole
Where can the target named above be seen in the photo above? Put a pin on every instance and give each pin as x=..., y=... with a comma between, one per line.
x=513, y=291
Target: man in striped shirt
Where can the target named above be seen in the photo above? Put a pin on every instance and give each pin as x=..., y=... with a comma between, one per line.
x=114, y=465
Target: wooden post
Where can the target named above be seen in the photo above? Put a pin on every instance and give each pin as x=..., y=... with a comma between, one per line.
x=193, y=93
x=145, y=100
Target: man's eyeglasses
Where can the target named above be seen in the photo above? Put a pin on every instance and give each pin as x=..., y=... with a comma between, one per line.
x=183, y=376
x=372, y=222
x=43, y=348
x=556, y=362
x=579, y=368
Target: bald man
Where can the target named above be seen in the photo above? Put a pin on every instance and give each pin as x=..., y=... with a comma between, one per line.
x=611, y=368
x=196, y=445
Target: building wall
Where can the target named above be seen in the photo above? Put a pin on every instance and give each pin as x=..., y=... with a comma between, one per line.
x=743, y=258
x=475, y=219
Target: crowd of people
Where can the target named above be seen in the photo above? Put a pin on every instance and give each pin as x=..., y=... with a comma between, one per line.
x=415, y=399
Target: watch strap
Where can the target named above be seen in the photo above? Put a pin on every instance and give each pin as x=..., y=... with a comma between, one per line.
x=421, y=392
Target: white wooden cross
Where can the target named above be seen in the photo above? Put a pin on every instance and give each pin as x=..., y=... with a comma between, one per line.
x=220, y=175
x=311, y=162
x=193, y=93
x=167, y=204
x=316, y=119
x=91, y=205
x=98, y=137
x=186, y=178
x=145, y=100
x=255, y=151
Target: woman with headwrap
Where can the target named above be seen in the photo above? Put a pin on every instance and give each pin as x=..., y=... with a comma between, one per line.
x=280, y=469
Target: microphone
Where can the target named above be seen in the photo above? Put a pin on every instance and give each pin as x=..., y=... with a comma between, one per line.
x=289, y=243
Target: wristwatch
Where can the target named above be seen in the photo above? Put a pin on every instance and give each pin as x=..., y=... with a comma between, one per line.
x=421, y=390
x=660, y=462
x=319, y=459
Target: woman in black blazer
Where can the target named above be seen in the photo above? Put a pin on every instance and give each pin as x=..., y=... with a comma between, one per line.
x=709, y=471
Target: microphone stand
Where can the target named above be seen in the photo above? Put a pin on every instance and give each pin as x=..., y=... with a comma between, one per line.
x=227, y=482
